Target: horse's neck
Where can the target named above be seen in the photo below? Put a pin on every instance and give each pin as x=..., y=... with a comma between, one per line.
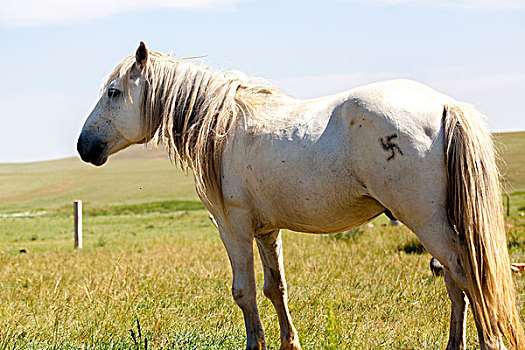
x=185, y=95
x=194, y=104
x=192, y=92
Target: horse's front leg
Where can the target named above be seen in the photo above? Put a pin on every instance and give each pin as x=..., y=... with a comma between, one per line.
x=270, y=249
x=239, y=245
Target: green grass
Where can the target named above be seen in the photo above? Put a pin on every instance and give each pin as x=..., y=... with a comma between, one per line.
x=152, y=255
x=158, y=207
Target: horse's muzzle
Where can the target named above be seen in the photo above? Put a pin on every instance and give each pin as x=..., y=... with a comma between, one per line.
x=92, y=149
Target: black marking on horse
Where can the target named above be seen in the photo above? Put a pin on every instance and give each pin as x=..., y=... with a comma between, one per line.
x=388, y=145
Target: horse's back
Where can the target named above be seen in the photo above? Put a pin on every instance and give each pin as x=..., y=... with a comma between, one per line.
x=408, y=104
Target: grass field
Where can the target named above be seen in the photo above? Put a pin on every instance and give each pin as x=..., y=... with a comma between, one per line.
x=151, y=255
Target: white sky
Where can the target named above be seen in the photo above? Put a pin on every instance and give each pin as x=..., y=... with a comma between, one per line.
x=56, y=53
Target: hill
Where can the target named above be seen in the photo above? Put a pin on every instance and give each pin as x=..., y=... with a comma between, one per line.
x=135, y=175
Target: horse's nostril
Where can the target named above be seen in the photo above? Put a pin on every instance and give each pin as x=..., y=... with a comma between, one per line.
x=82, y=149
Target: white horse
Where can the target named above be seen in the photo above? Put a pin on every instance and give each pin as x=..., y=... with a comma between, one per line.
x=263, y=161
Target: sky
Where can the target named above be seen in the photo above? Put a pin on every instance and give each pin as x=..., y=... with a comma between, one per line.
x=56, y=53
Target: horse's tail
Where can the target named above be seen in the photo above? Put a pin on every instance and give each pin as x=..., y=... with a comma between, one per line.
x=475, y=210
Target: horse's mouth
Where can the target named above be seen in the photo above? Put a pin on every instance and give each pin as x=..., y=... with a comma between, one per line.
x=100, y=160
x=97, y=160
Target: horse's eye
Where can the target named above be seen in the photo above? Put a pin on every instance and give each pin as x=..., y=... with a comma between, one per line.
x=113, y=93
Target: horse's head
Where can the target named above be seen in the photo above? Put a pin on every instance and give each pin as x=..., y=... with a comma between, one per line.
x=115, y=122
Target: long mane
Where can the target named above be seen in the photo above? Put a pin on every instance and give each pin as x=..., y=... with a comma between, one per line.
x=192, y=109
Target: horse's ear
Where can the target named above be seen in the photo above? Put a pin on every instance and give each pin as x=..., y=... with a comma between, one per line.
x=142, y=55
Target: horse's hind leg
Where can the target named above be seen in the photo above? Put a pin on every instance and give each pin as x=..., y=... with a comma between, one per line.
x=440, y=240
x=270, y=249
x=458, y=319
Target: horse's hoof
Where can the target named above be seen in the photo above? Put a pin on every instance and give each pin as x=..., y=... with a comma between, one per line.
x=290, y=343
x=291, y=346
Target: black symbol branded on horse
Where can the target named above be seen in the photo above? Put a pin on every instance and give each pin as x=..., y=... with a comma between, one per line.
x=388, y=145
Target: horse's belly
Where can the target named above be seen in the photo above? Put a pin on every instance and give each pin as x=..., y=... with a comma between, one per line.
x=333, y=205
x=357, y=213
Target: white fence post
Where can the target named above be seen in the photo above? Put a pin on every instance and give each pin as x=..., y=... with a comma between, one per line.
x=78, y=224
